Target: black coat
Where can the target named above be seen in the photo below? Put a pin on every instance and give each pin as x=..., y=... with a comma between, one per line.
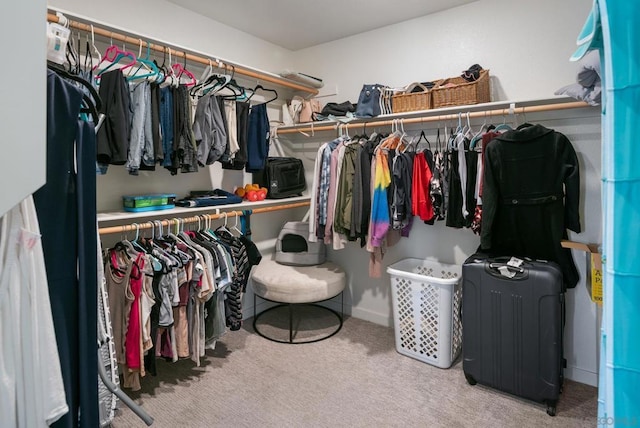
x=530, y=197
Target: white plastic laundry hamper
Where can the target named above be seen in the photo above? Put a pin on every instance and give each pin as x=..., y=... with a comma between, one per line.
x=426, y=310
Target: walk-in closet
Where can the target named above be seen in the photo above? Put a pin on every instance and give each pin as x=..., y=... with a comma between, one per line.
x=295, y=214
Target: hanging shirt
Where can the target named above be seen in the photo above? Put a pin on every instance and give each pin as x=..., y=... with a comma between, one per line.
x=209, y=130
x=421, y=205
x=330, y=236
x=315, y=191
x=325, y=182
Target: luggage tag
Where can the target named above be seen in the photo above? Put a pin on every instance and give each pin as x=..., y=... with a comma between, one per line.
x=515, y=262
x=506, y=272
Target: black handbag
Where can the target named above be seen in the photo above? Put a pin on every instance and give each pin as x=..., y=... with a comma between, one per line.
x=282, y=176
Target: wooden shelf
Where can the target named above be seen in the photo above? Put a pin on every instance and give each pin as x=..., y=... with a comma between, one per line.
x=123, y=216
x=494, y=108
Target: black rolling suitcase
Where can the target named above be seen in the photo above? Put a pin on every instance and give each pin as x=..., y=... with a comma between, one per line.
x=512, y=327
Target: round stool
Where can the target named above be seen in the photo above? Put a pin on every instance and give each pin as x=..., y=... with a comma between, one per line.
x=297, y=285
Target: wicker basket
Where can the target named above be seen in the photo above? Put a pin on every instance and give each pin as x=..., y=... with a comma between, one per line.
x=463, y=92
x=412, y=101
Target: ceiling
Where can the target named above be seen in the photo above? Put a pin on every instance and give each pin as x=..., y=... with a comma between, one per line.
x=298, y=24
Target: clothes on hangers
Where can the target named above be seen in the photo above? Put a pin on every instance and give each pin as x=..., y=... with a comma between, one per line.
x=184, y=304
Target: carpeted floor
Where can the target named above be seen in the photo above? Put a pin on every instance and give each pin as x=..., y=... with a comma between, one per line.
x=354, y=379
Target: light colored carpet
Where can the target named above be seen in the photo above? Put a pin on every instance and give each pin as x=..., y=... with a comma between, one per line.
x=354, y=379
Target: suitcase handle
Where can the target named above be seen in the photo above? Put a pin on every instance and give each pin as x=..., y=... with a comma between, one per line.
x=493, y=270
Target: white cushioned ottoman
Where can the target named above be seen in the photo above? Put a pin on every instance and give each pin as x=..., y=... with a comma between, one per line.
x=297, y=284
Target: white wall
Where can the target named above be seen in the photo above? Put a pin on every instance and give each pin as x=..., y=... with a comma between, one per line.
x=173, y=24
x=23, y=103
x=526, y=45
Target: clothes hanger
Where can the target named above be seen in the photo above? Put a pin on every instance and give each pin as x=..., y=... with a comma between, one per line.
x=169, y=75
x=503, y=126
x=114, y=55
x=421, y=137
x=91, y=105
x=223, y=227
x=163, y=72
x=184, y=257
x=72, y=55
x=146, y=63
x=478, y=136
x=235, y=226
x=181, y=69
x=174, y=261
x=258, y=87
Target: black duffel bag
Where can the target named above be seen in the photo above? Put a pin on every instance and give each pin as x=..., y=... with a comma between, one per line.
x=282, y=176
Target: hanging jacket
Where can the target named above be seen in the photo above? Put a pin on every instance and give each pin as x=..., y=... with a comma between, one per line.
x=531, y=196
x=342, y=221
x=401, y=211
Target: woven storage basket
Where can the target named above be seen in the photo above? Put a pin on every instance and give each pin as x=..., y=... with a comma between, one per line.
x=412, y=101
x=463, y=92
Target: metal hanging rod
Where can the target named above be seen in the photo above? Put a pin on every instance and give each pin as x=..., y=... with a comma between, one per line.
x=427, y=117
x=114, y=35
x=195, y=219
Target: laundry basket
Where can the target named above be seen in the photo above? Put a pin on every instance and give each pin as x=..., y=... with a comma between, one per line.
x=427, y=296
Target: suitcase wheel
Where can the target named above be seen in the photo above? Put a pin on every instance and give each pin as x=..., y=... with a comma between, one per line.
x=470, y=379
x=551, y=407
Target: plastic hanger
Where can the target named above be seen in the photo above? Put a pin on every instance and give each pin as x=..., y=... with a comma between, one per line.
x=503, y=126
x=174, y=261
x=416, y=141
x=169, y=77
x=146, y=63
x=114, y=55
x=478, y=136
x=223, y=227
x=181, y=69
x=258, y=87
x=91, y=105
x=235, y=226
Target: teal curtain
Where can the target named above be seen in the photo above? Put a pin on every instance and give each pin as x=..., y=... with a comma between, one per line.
x=613, y=27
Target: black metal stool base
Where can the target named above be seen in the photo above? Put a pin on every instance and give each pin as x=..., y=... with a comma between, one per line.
x=291, y=306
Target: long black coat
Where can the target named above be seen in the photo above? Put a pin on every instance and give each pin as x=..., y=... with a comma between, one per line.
x=530, y=197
